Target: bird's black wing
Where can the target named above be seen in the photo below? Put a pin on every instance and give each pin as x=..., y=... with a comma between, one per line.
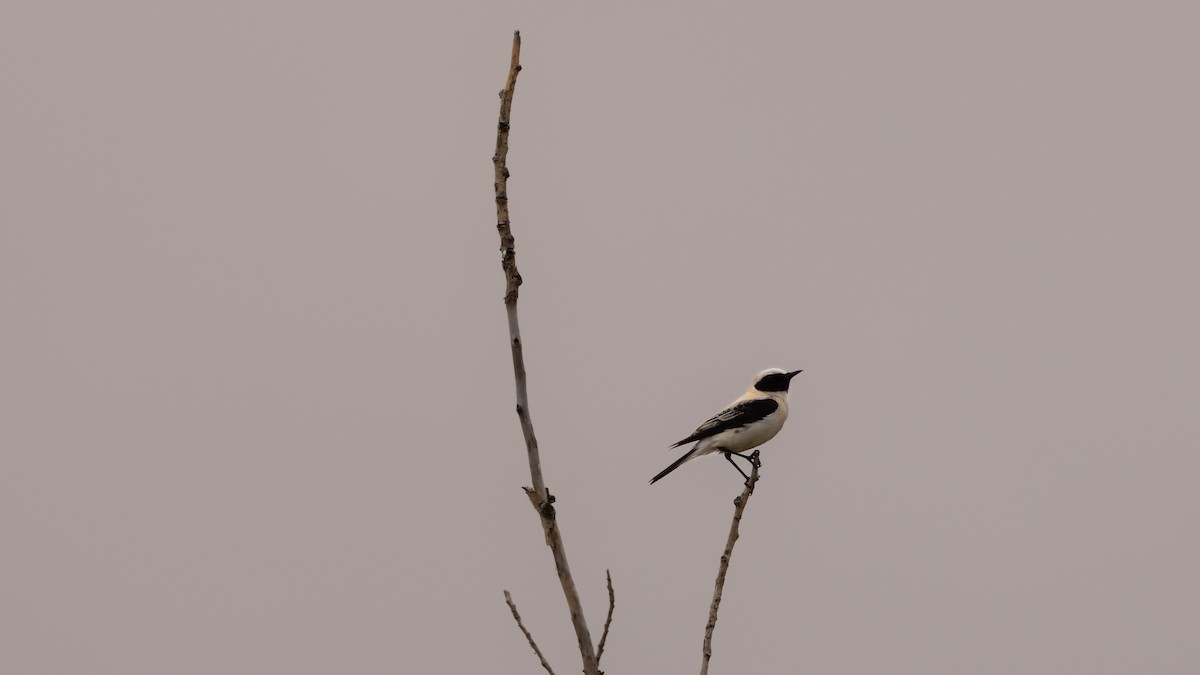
x=733, y=417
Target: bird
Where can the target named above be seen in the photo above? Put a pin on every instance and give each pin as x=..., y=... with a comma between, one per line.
x=745, y=424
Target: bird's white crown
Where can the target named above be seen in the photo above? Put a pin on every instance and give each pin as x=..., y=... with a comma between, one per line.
x=769, y=371
x=774, y=380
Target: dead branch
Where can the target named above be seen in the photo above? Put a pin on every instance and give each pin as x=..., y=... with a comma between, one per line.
x=539, y=496
x=739, y=506
x=517, y=616
x=612, y=602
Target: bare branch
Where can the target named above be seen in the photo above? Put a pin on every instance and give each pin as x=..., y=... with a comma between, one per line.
x=612, y=602
x=513, y=607
x=739, y=505
x=508, y=261
x=499, y=160
x=539, y=496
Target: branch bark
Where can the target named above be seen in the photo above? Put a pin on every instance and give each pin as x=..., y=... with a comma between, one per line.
x=739, y=506
x=539, y=496
x=513, y=606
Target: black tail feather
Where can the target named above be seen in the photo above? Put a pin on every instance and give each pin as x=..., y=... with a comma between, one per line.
x=674, y=465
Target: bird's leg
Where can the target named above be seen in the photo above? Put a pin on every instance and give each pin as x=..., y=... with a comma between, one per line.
x=752, y=458
x=729, y=458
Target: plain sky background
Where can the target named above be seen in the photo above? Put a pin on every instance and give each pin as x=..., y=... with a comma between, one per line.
x=256, y=408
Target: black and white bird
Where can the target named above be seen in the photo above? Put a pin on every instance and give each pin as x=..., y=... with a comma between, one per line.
x=747, y=423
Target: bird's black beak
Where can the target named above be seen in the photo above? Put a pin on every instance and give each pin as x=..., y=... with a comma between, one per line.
x=794, y=373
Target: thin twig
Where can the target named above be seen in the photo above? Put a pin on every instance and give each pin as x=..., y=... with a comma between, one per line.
x=739, y=505
x=612, y=602
x=539, y=496
x=513, y=607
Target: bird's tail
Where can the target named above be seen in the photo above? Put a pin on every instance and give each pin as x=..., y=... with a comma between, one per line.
x=675, y=465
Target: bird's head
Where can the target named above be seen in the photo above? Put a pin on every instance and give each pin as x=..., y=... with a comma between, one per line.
x=774, y=379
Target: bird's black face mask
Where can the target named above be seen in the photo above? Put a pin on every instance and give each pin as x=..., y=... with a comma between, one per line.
x=776, y=381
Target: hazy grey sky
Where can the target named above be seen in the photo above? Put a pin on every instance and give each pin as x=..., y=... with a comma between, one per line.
x=256, y=412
